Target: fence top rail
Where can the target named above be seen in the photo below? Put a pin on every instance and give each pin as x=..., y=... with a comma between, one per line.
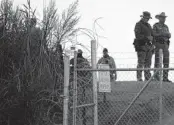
x=124, y=69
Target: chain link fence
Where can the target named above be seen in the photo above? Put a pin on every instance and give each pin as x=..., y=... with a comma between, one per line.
x=129, y=102
x=81, y=104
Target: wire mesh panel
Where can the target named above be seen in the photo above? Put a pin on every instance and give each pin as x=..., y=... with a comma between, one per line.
x=84, y=98
x=145, y=110
x=137, y=103
x=168, y=100
x=112, y=105
x=128, y=103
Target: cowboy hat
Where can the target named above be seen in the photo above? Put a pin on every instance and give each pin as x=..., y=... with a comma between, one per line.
x=161, y=15
x=146, y=14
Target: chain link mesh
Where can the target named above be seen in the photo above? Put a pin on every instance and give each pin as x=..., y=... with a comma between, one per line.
x=84, y=96
x=145, y=110
x=129, y=103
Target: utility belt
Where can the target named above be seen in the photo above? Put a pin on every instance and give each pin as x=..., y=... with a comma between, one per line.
x=138, y=44
x=142, y=42
x=147, y=43
x=161, y=40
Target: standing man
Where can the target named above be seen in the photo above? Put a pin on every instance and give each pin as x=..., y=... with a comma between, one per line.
x=81, y=61
x=143, y=45
x=162, y=36
x=83, y=82
x=106, y=59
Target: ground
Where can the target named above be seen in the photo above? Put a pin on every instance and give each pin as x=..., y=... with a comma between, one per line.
x=144, y=111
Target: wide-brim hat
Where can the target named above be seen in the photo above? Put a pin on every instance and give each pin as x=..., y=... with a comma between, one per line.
x=161, y=15
x=146, y=14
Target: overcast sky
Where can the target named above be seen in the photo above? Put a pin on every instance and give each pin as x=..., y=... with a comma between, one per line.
x=119, y=18
x=118, y=21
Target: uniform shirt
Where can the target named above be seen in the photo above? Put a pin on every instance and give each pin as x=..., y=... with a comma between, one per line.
x=142, y=30
x=108, y=60
x=82, y=63
x=159, y=28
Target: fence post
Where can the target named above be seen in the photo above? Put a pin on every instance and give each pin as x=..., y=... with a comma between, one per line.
x=75, y=88
x=66, y=90
x=161, y=85
x=93, y=61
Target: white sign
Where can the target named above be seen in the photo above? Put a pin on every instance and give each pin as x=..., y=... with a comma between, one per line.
x=104, y=78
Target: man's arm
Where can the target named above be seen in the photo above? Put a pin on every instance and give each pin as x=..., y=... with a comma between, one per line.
x=137, y=31
x=113, y=63
x=114, y=66
x=155, y=33
x=167, y=33
x=87, y=64
x=99, y=61
x=162, y=34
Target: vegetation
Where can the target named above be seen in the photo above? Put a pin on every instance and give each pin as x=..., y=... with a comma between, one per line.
x=31, y=62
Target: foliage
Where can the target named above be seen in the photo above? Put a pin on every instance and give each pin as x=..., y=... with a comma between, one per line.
x=31, y=65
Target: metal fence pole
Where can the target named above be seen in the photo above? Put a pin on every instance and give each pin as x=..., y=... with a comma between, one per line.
x=75, y=88
x=66, y=90
x=93, y=60
x=161, y=85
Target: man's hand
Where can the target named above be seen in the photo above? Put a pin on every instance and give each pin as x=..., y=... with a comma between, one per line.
x=167, y=34
x=114, y=76
x=150, y=38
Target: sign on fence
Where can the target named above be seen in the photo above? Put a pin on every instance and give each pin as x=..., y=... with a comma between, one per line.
x=104, y=78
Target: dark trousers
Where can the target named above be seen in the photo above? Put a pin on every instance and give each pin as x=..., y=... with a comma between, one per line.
x=165, y=49
x=144, y=61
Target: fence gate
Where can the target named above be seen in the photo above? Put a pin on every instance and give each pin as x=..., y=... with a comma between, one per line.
x=81, y=103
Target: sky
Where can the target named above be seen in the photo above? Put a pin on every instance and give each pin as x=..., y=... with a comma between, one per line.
x=118, y=18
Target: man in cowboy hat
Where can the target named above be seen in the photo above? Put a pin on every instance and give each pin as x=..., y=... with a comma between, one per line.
x=161, y=41
x=143, y=45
